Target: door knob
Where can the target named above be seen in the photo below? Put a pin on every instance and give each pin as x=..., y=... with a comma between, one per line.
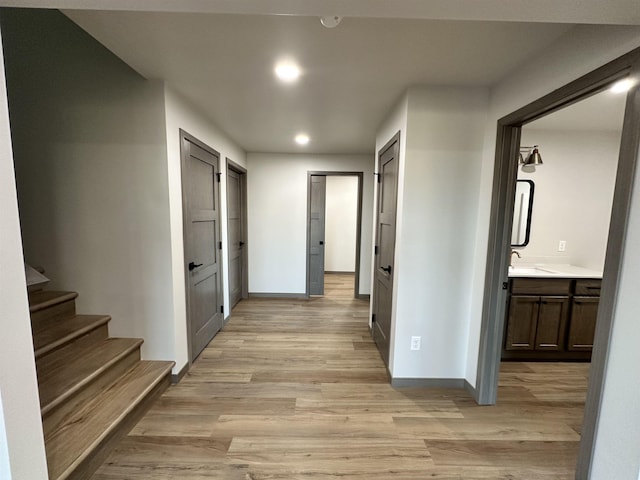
x=321, y=242
x=241, y=244
x=193, y=266
x=388, y=269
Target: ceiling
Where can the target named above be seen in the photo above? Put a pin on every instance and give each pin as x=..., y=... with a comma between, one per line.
x=220, y=54
x=352, y=74
x=603, y=112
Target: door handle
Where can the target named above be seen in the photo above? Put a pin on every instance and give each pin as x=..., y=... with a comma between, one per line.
x=241, y=244
x=193, y=266
x=321, y=242
x=388, y=269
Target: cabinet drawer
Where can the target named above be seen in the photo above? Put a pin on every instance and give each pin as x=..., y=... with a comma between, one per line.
x=541, y=286
x=589, y=287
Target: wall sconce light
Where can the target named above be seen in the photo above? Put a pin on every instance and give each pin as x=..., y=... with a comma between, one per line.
x=532, y=157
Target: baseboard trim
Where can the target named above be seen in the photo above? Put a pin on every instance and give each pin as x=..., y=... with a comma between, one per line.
x=471, y=390
x=296, y=296
x=363, y=296
x=428, y=382
x=176, y=377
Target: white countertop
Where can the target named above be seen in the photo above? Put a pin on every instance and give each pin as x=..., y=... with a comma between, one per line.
x=550, y=270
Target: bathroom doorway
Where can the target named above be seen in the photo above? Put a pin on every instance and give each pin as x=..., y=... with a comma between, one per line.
x=333, y=231
x=566, y=175
x=496, y=283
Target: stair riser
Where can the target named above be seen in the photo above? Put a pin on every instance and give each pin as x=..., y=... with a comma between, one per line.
x=57, y=415
x=52, y=314
x=89, y=465
x=95, y=336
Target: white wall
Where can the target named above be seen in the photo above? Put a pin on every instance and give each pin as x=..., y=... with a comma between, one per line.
x=180, y=114
x=618, y=433
x=90, y=156
x=277, y=223
x=21, y=440
x=5, y=463
x=436, y=228
x=340, y=224
x=573, y=195
x=581, y=50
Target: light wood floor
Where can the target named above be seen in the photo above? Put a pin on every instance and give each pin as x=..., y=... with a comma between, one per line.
x=296, y=390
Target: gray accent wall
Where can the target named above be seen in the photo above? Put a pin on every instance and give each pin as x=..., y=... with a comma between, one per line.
x=91, y=166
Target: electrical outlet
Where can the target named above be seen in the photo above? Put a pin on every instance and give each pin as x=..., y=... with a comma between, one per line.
x=562, y=245
x=415, y=343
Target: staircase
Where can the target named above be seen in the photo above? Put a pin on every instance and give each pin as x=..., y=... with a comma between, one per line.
x=93, y=388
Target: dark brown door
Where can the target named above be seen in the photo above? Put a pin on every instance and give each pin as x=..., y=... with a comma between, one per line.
x=385, y=245
x=584, y=313
x=522, y=322
x=201, y=195
x=552, y=323
x=236, y=205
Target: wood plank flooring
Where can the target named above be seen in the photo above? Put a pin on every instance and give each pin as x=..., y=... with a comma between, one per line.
x=295, y=389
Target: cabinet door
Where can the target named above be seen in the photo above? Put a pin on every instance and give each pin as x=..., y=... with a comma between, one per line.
x=521, y=323
x=552, y=323
x=582, y=327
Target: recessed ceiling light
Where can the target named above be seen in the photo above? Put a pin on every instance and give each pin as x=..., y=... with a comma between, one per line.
x=302, y=139
x=287, y=71
x=622, y=86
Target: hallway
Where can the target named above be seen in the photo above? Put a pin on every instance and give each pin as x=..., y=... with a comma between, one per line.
x=295, y=389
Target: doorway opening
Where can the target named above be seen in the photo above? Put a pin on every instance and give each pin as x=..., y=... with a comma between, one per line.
x=334, y=224
x=237, y=233
x=498, y=256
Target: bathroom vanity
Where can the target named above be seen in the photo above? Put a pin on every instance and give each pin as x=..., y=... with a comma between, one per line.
x=551, y=313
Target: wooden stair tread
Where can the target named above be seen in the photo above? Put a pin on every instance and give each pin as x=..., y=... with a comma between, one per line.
x=87, y=427
x=62, y=373
x=44, y=299
x=48, y=337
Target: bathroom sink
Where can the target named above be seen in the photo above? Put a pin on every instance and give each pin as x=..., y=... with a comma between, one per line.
x=517, y=270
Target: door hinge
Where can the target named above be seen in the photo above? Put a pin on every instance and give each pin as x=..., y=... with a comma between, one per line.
x=377, y=177
x=222, y=309
x=373, y=318
x=218, y=175
x=219, y=245
x=375, y=250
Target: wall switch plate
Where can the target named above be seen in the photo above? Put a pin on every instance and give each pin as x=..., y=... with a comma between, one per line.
x=415, y=343
x=562, y=245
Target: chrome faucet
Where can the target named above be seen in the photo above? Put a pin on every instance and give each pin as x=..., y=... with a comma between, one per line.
x=511, y=257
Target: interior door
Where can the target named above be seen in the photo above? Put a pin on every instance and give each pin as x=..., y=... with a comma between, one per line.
x=201, y=195
x=235, y=219
x=385, y=245
x=318, y=188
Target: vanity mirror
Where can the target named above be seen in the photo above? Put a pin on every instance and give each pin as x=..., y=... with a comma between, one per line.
x=521, y=229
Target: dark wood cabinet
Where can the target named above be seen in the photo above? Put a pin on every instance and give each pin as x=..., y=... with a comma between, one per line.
x=536, y=323
x=522, y=322
x=552, y=323
x=551, y=319
x=584, y=312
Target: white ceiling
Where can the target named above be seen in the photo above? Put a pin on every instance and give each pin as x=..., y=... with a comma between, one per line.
x=220, y=54
x=352, y=74
x=612, y=12
x=603, y=112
